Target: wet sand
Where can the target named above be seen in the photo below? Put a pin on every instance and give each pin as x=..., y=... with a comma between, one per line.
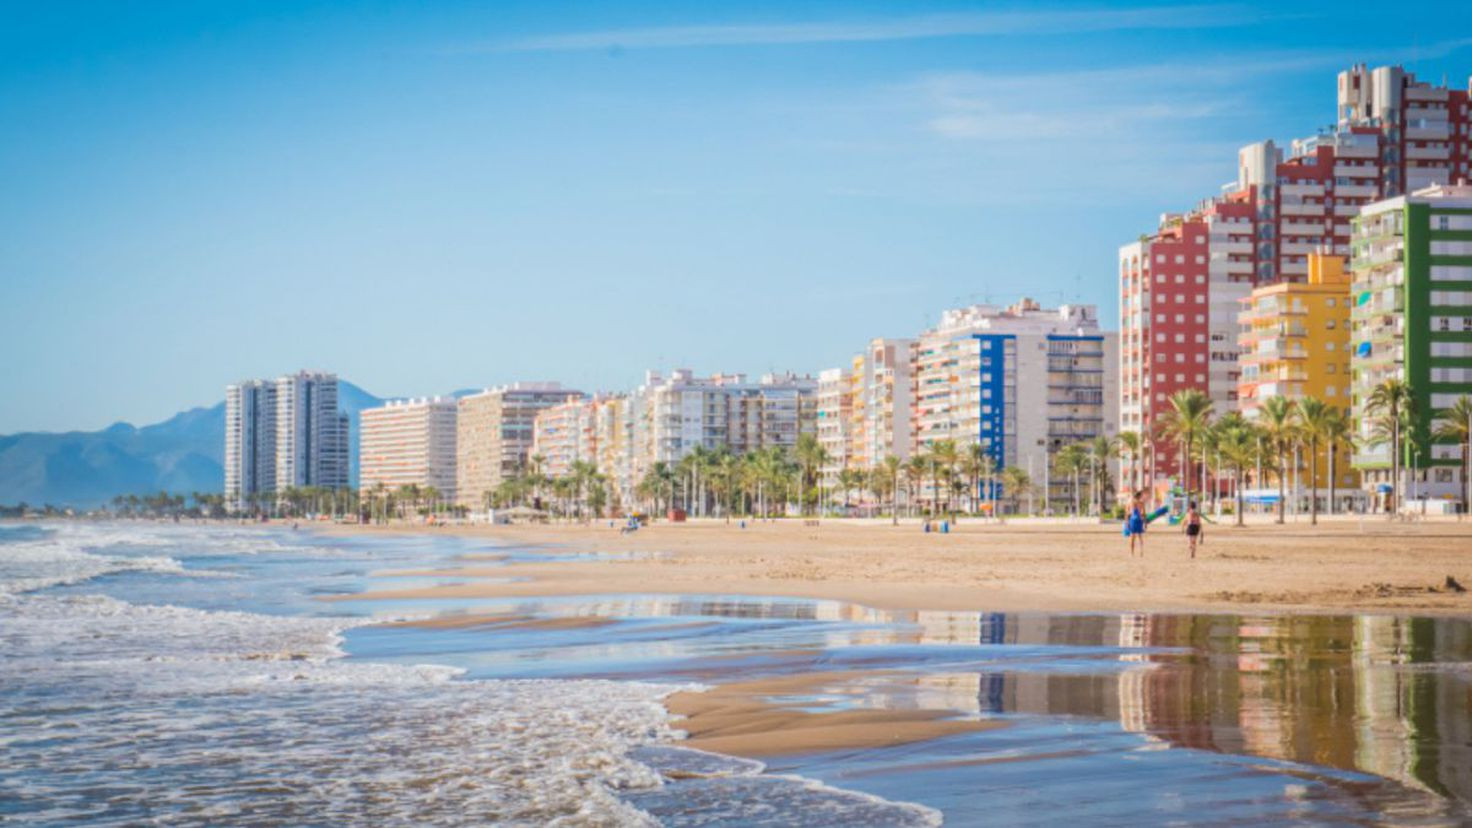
x=752, y=719
x=1371, y=566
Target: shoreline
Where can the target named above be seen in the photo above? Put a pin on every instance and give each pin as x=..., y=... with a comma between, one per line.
x=1341, y=566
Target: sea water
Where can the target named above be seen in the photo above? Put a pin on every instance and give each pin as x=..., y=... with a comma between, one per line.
x=198, y=674
x=192, y=675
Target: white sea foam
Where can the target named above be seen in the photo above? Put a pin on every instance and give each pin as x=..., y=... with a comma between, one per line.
x=118, y=713
x=33, y=565
x=113, y=713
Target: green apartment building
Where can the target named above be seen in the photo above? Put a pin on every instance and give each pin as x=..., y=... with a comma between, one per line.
x=1412, y=320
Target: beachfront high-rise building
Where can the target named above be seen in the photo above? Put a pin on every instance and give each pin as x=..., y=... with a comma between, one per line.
x=834, y=427
x=1295, y=339
x=250, y=441
x=1295, y=344
x=1181, y=284
x=311, y=433
x=1423, y=132
x=613, y=430
x=1412, y=320
x=493, y=435
x=284, y=433
x=565, y=434
x=667, y=417
x=883, y=402
x=1022, y=381
x=408, y=443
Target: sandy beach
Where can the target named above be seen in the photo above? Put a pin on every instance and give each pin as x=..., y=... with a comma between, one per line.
x=1341, y=565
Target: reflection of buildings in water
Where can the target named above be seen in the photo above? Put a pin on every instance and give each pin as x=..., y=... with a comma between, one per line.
x=1413, y=719
x=1373, y=694
x=926, y=691
x=1323, y=690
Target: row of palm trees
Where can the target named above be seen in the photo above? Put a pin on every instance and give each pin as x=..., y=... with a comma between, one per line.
x=1288, y=435
x=945, y=478
x=168, y=505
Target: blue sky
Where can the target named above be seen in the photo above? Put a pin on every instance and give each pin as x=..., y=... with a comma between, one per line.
x=429, y=196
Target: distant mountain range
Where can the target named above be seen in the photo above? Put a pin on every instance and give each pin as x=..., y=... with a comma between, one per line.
x=185, y=453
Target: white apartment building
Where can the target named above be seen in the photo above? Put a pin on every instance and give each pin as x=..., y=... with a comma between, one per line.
x=667, y=417
x=565, y=434
x=311, y=433
x=250, y=440
x=409, y=443
x=283, y=433
x=1023, y=381
x=834, y=425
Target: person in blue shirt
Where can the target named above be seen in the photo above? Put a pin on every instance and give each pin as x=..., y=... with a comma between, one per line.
x=1134, y=523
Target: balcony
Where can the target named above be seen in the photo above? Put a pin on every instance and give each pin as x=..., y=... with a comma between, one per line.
x=1356, y=170
x=1302, y=189
x=1238, y=266
x=1303, y=228
x=1429, y=153
x=1355, y=190
x=1429, y=131
x=1223, y=245
x=1425, y=113
x=1294, y=209
x=1369, y=149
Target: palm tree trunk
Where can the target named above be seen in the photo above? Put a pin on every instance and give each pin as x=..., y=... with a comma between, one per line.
x=1332, y=475
x=1282, y=487
x=1313, y=481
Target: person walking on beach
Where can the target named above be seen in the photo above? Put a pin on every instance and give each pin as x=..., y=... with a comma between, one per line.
x=1193, y=526
x=1134, y=525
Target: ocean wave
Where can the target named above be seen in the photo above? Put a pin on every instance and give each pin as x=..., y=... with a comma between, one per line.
x=114, y=713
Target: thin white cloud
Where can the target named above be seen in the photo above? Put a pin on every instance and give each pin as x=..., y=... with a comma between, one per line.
x=1058, y=21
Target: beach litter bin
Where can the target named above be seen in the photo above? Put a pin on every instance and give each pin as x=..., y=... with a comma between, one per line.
x=676, y=515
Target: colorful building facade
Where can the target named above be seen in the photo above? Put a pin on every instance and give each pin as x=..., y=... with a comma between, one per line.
x=1412, y=321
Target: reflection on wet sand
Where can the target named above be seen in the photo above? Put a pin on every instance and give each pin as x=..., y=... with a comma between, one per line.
x=1385, y=696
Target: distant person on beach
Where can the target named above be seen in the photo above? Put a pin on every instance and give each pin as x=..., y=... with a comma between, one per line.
x=1134, y=525
x=1193, y=527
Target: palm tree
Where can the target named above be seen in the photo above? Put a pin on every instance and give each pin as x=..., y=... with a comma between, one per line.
x=1185, y=421
x=1016, y=482
x=1313, y=421
x=947, y=457
x=1456, y=426
x=1393, y=405
x=1129, y=449
x=976, y=464
x=1278, y=429
x=892, y=467
x=810, y=457
x=1068, y=462
x=1237, y=441
x=1338, y=433
x=915, y=469
x=1101, y=448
